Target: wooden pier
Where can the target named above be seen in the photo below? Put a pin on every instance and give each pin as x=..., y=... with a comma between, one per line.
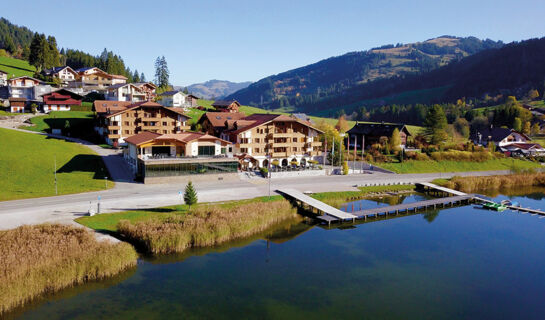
x=329, y=213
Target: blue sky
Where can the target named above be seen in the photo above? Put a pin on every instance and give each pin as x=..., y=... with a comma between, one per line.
x=248, y=40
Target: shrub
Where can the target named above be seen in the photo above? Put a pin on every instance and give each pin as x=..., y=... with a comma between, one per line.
x=345, y=168
x=46, y=258
x=207, y=226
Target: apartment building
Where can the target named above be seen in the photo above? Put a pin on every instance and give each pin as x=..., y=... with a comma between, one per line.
x=148, y=88
x=125, y=92
x=117, y=120
x=65, y=74
x=28, y=88
x=286, y=139
x=215, y=123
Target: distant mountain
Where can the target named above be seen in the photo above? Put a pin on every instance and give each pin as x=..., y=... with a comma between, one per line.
x=513, y=69
x=216, y=88
x=299, y=88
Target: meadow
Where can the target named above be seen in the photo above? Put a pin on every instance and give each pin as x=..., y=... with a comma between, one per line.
x=16, y=68
x=27, y=167
x=428, y=166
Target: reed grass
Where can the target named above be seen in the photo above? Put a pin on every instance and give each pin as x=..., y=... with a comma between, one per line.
x=41, y=259
x=473, y=184
x=206, y=225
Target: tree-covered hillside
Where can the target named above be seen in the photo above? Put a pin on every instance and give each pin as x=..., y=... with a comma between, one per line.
x=42, y=52
x=331, y=77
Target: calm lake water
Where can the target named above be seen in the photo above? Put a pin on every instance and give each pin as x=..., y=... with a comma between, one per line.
x=456, y=263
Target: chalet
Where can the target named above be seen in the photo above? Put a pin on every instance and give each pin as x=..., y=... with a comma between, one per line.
x=17, y=105
x=366, y=134
x=174, y=98
x=60, y=100
x=3, y=78
x=501, y=137
x=125, y=92
x=148, y=88
x=171, y=157
x=65, y=74
x=93, y=78
x=283, y=138
x=192, y=100
x=215, y=123
x=27, y=87
x=226, y=106
x=115, y=123
x=523, y=149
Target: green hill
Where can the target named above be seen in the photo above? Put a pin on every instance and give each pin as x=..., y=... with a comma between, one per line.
x=16, y=68
x=27, y=166
x=302, y=87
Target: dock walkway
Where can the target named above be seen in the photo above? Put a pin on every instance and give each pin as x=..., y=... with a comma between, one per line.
x=432, y=186
x=331, y=214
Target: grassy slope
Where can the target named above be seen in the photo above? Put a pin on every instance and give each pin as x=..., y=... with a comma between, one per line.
x=27, y=166
x=457, y=166
x=16, y=67
x=57, y=120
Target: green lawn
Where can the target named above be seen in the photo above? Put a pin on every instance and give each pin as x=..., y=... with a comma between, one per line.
x=458, y=166
x=16, y=67
x=81, y=124
x=5, y=113
x=27, y=163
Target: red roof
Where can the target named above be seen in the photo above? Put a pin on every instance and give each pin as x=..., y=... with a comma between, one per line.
x=142, y=137
x=57, y=97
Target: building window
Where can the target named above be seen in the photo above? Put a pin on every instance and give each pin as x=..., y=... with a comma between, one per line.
x=207, y=150
x=257, y=150
x=126, y=123
x=294, y=139
x=164, y=123
x=294, y=149
x=165, y=131
x=126, y=131
x=256, y=140
x=243, y=150
x=223, y=150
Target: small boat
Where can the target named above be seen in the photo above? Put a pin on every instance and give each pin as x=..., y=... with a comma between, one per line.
x=510, y=203
x=494, y=206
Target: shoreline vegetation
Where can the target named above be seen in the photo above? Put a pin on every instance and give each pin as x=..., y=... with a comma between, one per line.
x=474, y=184
x=175, y=229
x=41, y=259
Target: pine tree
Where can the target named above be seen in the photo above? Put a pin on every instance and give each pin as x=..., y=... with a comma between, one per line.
x=136, y=76
x=37, y=54
x=435, y=125
x=142, y=77
x=161, y=72
x=190, y=195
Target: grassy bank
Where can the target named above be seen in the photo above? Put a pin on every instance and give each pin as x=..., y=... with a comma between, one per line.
x=174, y=229
x=80, y=124
x=46, y=258
x=414, y=166
x=27, y=167
x=474, y=184
x=16, y=68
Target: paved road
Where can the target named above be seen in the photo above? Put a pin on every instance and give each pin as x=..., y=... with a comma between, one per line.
x=127, y=196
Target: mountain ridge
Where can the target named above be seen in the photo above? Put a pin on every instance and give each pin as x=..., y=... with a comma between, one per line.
x=214, y=88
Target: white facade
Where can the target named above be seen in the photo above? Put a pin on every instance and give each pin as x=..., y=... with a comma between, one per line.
x=178, y=100
x=514, y=137
x=3, y=78
x=56, y=107
x=127, y=92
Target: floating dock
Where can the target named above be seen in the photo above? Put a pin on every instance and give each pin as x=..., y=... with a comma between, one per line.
x=328, y=214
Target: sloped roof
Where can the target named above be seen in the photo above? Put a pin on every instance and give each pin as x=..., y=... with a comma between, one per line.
x=224, y=103
x=141, y=84
x=120, y=85
x=148, y=104
x=171, y=93
x=262, y=118
x=377, y=129
x=142, y=137
x=495, y=134
x=57, y=70
x=65, y=92
x=217, y=119
x=185, y=137
x=103, y=106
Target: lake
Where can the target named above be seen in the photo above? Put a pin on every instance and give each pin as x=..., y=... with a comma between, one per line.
x=461, y=262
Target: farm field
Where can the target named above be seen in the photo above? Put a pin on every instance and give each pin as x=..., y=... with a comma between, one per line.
x=16, y=68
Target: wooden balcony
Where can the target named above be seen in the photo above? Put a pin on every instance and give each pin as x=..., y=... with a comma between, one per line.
x=279, y=154
x=281, y=144
x=114, y=136
x=282, y=135
x=110, y=128
x=314, y=144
